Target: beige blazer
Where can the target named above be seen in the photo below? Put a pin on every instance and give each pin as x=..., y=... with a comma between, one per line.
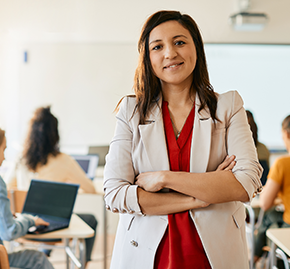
x=140, y=148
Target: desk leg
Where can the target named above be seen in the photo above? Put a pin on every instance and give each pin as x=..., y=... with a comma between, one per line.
x=105, y=236
x=67, y=257
x=82, y=249
x=70, y=254
x=273, y=259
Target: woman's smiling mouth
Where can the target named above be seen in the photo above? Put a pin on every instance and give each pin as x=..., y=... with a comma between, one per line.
x=173, y=65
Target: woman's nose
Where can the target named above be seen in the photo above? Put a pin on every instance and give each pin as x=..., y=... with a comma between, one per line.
x=170, y=52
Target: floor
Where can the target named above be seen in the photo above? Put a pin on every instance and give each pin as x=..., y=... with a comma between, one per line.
x=58, y=257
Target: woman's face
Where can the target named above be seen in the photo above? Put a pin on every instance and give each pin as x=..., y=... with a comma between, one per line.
x=2, y=149
x=172, y=54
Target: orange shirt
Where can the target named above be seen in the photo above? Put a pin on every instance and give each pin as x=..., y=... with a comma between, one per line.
x=280, y=173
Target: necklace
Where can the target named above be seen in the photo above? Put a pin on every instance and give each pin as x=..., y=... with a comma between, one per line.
x=174, y=126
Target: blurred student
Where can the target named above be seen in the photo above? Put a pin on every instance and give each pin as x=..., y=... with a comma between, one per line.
x=278, y=184
x=262, y=150
x=12, y=228
x=42, y=159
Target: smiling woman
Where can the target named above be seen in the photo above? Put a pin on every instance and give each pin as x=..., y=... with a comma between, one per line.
x=181, y=205
x=172, y=55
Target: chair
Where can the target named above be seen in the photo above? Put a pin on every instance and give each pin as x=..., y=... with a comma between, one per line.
x=251, y=227
x=250, y=230
x=4, y=263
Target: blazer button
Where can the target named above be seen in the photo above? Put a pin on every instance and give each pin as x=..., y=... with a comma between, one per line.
x=131, y=211
x=115, y=210
x=260, y=189
x=107, y=207
x=134, y=243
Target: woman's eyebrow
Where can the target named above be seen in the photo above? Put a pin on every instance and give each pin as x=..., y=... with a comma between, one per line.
x=177, y=36
x=158, y=40
x=154, y=41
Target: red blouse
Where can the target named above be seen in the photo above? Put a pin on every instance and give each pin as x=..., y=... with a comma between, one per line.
x=181, y=246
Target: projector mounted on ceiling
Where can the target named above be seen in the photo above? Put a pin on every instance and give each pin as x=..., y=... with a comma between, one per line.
x=245, y=21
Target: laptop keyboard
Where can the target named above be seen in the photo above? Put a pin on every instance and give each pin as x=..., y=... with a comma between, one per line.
x=53, y=226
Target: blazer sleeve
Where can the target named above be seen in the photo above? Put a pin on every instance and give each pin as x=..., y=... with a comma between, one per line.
x=247, y=170
x=119, y=174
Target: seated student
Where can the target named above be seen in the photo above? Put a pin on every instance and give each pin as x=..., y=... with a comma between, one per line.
x=12, y=228
x=262, y=150
x=278, y=184
x=42, y=159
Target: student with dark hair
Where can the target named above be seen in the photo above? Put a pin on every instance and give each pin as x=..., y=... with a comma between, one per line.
x=12, y=228
x=42, y=159
x=262, y=150
x=278, y=185
x=182, y=160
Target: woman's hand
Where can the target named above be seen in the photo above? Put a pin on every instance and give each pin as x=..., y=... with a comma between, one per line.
x=228, y=163
x=152, y=181
x=155, y=181
x=199, y=204
x=39, y=221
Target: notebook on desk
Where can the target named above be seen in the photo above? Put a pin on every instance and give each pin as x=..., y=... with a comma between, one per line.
x=51, y=201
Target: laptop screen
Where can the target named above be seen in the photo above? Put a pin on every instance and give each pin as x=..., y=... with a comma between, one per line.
x=88, y=163
x=84, y=164
x=50, y=198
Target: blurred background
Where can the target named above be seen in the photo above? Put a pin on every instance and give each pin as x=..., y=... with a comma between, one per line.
x=79, y=56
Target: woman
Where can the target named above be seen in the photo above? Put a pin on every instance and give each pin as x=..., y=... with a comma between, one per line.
x=179, y=208
x=262, y=150
x=278, y=184
x=12, y=228
x=42, y=159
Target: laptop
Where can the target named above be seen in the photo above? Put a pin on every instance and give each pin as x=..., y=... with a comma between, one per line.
x=102, y=151
x=88, y=163
x=51, y=201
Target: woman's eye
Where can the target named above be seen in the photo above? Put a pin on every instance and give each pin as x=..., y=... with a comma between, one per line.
x=179, y=43
x=156, y=47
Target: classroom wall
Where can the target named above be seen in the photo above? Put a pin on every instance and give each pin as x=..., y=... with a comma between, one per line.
x=81, y=57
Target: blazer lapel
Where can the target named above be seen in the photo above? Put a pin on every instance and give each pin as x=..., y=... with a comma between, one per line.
x=201, y=139
x=153, y=138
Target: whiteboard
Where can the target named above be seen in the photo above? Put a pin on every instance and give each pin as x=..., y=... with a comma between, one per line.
x=260, y=73
x=84, y=81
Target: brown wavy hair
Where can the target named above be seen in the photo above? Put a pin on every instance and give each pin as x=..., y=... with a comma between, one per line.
x=2, y=135
x=253, y=126
x=147, y=86
x=42, y=138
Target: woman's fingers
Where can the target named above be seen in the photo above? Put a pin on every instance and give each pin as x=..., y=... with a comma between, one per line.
x=227, y=164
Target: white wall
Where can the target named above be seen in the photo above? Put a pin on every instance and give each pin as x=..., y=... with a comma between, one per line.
x=260, y=74
x=82, y=55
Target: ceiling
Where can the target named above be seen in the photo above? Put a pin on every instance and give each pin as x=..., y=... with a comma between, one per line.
x=121, y=20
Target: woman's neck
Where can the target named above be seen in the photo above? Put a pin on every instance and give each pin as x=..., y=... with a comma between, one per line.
x=177, y=97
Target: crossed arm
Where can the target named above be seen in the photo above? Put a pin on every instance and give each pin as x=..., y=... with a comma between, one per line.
x=192, y=190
